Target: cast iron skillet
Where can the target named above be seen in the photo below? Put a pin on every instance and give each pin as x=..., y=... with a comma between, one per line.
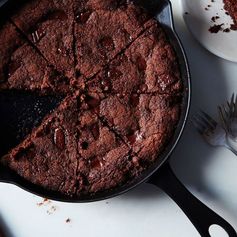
x=160, y=174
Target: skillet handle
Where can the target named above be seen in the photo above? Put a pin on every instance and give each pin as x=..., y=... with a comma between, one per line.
x=199, y=214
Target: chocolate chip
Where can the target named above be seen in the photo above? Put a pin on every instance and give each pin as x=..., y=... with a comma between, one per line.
x=59, y=138
x=91, y=101
x=106, y=84
x=95, y=163
x=12, y=67
x=95, y=130
x=107, y=43
x=131, y=138
x=114, y=73
x=83, y=17
x=141, y=63
x=134, y=100
x=78, y=73
x=84, y=145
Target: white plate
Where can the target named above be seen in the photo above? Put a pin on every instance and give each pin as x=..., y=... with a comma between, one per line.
x=199, y=22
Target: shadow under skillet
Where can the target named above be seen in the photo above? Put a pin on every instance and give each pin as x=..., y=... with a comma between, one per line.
x=143, y=192
x=4, y=230
x=209, y=89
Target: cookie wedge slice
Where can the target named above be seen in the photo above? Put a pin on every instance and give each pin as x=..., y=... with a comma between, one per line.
x=23, y=68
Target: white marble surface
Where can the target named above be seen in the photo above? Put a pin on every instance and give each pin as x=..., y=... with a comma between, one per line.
x=211, y=174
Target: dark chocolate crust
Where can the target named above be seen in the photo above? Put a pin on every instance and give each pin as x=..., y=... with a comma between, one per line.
x=122, y=86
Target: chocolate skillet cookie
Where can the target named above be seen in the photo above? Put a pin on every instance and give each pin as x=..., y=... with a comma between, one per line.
x=122, y=89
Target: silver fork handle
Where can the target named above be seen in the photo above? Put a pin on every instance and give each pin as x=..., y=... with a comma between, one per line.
x=231, y=149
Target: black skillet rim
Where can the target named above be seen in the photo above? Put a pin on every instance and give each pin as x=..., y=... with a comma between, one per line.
x=185, y=74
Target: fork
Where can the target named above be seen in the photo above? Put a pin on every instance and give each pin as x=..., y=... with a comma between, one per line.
x=228, y=116
x=212, y=132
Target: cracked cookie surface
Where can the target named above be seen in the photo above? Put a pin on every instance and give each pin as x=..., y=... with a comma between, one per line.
x=148, y=65
x=73, y=151
x=49, y=26
x=23, y=68
x=122, y=83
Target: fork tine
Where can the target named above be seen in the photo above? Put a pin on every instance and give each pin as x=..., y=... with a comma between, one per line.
x=228, y=104
x=232, y=97
x=232, y=104
x=235, y=106
x=222, y=117
x=210, y=121
x=203, y=124
x=226, y=111
x=199, y=126
x=201, y=120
